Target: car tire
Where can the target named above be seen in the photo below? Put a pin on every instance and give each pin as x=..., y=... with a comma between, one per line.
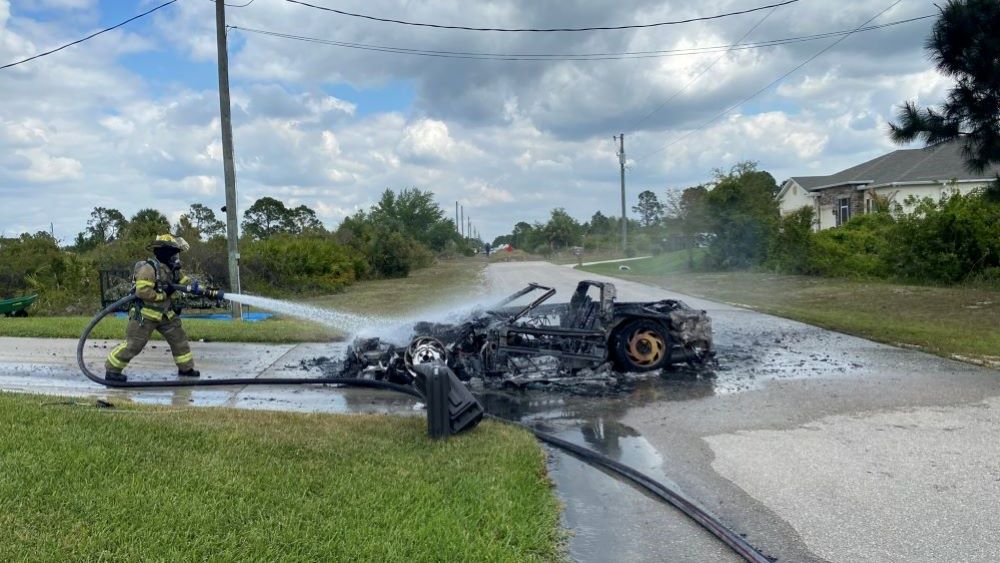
x=641, y=345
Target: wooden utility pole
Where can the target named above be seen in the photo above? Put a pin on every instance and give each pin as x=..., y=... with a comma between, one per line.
x=461, y=222
x=228, y=162
x=621, y=162
x=458, y=227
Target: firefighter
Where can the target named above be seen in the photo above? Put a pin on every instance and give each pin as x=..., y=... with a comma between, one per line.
x=155, y=281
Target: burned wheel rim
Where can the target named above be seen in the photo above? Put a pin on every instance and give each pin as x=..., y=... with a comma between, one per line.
x=646, y=347
x=641, y=345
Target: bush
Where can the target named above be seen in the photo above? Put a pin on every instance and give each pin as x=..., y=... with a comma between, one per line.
x=947, y=240
x=792, y=246
x=296, y=264
x=391, y=255
x=64, y=282
x=854, y=249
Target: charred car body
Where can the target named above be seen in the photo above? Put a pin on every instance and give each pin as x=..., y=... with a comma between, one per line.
x=591, y=337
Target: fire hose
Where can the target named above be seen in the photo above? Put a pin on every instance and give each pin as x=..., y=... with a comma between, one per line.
x=127, y=300
x=733, y=540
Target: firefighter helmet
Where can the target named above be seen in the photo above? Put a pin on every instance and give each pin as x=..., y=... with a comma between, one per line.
x=170, y=241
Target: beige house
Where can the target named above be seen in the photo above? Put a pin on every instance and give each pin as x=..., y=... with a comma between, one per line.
x=933, y=172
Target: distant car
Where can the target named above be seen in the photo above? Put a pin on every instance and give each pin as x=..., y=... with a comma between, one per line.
x=544, y=341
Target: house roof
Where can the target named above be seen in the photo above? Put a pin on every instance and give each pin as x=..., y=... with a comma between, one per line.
x=939, y=162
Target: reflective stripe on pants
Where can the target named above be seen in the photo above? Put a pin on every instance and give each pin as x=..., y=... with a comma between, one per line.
x=138, y=334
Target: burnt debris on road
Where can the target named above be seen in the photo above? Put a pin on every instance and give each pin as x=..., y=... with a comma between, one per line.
x=591, y=343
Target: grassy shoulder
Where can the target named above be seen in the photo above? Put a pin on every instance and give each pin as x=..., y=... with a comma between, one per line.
x=149, y=483
x=961, y=322
x=444, y=281
x=270, y=330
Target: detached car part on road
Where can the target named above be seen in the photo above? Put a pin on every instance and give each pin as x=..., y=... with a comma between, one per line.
x=590, y=338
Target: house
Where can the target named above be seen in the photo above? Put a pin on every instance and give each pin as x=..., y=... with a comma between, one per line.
x=925, y=172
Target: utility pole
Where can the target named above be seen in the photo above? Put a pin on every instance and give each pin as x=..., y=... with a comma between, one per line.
x=461, y=222
x=621, y=162
x=468, y=227
x=228, y=162
x=458, y=227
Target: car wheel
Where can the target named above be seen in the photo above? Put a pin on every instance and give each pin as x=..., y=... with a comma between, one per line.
x=642, y=346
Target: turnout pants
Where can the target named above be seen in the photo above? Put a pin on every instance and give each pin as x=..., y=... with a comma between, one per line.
x=137, y=335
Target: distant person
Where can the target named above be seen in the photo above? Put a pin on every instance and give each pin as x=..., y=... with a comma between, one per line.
x=155, y=310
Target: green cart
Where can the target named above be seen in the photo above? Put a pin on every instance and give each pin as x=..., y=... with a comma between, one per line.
x=17, y=307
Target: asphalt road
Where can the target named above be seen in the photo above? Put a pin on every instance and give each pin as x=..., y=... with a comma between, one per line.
x=816, y=445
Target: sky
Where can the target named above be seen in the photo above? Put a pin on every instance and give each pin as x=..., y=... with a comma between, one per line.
x=130, y=119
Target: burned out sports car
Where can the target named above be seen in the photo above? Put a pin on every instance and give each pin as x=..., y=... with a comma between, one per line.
x=591, y=336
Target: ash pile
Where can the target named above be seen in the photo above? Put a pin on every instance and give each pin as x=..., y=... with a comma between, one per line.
x=592, y=344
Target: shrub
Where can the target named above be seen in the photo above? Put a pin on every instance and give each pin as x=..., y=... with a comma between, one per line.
x=854, y=249
x=297, y=264
x=792, y=246
x=64, y=282
x=947, y=240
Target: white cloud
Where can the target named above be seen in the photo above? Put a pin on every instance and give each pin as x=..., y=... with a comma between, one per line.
x=513, y=140
x=427, y=140
x=47, y=168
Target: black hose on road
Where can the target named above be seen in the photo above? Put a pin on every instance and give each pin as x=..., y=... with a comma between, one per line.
x=121, y=303
x=674, y=498
x=643, y=481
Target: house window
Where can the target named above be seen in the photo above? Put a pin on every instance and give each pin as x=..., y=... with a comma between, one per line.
x=843, y=210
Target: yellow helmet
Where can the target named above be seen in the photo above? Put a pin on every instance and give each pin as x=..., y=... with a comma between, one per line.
x=170, y=241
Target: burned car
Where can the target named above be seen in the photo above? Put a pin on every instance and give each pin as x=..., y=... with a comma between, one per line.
x=591, y=336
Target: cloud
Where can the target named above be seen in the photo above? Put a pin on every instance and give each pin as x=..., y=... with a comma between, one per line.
x=427, y=141
x=95, y=125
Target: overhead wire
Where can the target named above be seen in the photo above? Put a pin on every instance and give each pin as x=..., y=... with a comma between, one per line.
x=539, y=30
x=707, y=68
x=91, y=36
x=595, y=56
x=766, y=87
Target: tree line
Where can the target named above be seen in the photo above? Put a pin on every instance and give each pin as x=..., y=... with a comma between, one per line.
x=283, y=249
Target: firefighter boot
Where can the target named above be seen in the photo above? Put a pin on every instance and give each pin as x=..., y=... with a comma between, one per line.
x=116, y=377
x=189, y=373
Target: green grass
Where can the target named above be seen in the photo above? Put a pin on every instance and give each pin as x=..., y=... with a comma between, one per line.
x=444, y=281
x=660, y=264
x=959, y=321
x=270, y=330
x=154, y=484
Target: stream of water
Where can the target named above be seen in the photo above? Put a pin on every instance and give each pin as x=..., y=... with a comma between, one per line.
x=348, y=323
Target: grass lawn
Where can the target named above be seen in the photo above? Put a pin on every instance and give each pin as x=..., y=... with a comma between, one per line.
x=270, y=330
x=158, y=484
x=668, y=262
x=962, y=322
x=444, y=281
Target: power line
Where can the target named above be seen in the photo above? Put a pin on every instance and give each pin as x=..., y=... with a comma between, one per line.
x=573, y=56
x=91, y=36
x=680, y=90
x=768, y=86
x=599, y=28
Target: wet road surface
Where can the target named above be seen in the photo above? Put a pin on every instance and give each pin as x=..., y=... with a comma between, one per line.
x=816, y=445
